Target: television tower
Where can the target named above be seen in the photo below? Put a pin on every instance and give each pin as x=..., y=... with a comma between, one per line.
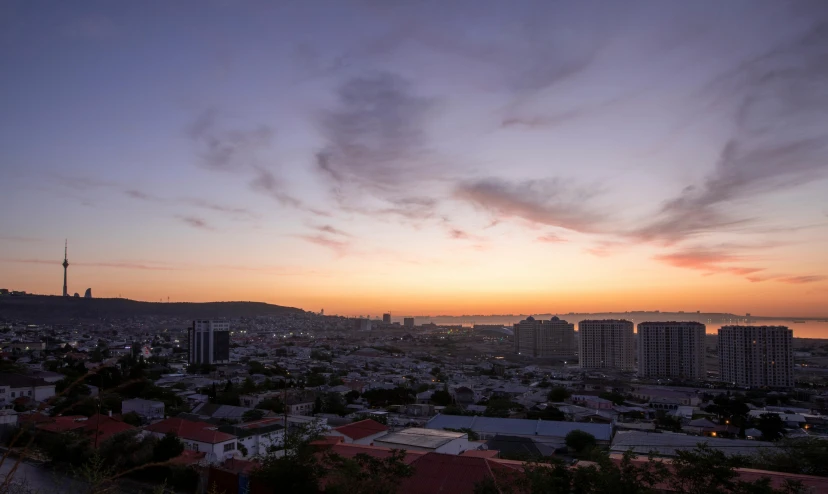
x=65, y=266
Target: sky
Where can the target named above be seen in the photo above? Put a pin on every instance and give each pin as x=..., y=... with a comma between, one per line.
x=431, y=157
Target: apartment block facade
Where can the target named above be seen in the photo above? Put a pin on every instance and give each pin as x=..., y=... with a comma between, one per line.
x=543, y=339
x=606, y=344
x=756, y=356
x=671, y=350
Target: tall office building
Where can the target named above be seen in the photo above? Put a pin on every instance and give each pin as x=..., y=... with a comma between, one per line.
x=386, y=318
x=539, y=338
x=607, y=344
x=671, y=349
x=408, y=322
x=209, y=342
x=756, y=356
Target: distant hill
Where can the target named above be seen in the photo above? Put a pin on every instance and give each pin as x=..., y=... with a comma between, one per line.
x=51, y=309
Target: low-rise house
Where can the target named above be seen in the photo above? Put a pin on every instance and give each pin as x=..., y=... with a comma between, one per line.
x=258, y=437
x=18, y=385
x=198, y=436
x=429, y=440
x=362, y=432
x=147, y=409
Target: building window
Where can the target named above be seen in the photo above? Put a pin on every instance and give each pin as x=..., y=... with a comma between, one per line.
x=229, y=447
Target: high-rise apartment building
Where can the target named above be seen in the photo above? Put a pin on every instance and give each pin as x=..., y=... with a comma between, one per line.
x=209, y=342
x=386, y=318
x=606, y=344
x=756, y=356
x=671, y=349
x=408, y=322
x=538, y=338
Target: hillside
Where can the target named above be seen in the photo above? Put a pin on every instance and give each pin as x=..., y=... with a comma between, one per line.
x=51, y=309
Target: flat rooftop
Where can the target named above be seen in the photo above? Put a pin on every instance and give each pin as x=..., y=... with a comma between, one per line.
x=420, y=438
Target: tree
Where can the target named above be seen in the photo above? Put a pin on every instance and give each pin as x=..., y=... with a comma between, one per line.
x=351, y=396
x=806, y=455
x=248, y=386
x=132, y=418
x=615, y=398
x=332, y=403
x=252, y=415
x=441, y=397
x=167, y=448
x=365, y=473
x=558, y=394
x=582, y=443
x=771, y=426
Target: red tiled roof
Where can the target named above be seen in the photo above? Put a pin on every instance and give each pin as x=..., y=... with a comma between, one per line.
x=361, y=429
x=187, y=429
x=103, y=427
x=481, y=453
x=450, y=474
x=63, y=424
x=188, y=457
x=327, y=441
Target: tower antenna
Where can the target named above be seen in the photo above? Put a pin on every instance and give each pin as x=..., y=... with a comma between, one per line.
x=65, y=266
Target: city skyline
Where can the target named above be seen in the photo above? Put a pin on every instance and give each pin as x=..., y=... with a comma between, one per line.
x=420, y=159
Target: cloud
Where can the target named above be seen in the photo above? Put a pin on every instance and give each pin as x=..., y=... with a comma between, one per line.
x=266, y=182
x=195, y=222
x=604, y=248
x=800, y=280
x=550, y=202
x=212, y=206
x=338, y=246
x=551, y=238
x=709, y=261
x=118, y=265
x=331, y=230
x=137, y=194
x=779, y=140
x=227, y=150
x=375, y=144
x=14, y=238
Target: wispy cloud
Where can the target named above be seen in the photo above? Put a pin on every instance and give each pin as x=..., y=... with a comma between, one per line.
x=13, y=238
x=116, y=264
x=547, y=202
x=801, y=280
x=266, y=182
x=375, y=144
x=221, y=149
x=221, y=208
x=780, y=139
x=550, y=238
x=195, y=222
x=331, y=230
x=338, y=246
x=709, y=261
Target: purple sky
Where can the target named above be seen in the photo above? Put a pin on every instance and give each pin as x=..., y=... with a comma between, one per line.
x=419, y=156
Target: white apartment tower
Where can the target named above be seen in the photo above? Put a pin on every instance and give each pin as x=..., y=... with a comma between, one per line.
x=538, y=338
x=606, y=344
x=756, y=356
x=671, y=349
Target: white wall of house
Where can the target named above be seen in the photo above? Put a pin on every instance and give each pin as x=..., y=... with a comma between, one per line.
x=216, y=452
x=258, y=444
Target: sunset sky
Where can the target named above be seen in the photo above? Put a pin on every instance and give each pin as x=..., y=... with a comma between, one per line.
x=434, y=157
